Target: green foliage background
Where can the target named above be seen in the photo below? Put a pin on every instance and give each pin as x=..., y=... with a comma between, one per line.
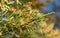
x=20, y=19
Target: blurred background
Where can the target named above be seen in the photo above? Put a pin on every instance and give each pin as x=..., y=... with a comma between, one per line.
x=22, y=19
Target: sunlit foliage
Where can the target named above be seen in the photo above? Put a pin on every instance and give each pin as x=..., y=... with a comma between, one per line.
x=21, y=19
